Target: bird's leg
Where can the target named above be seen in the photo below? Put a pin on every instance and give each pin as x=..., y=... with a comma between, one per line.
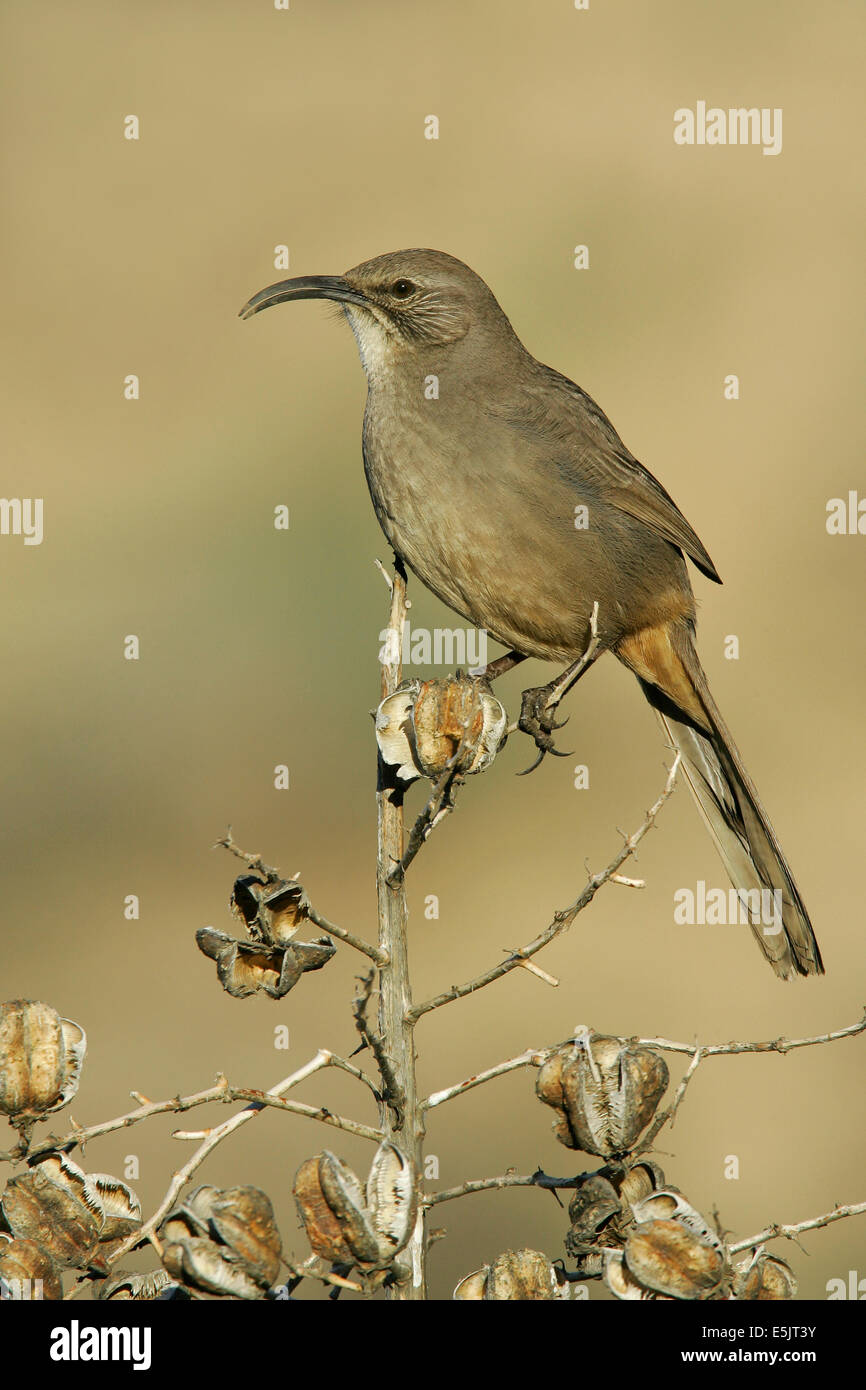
x=494, y=669
x=540, y=703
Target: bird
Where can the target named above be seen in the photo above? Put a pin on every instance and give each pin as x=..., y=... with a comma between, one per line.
x=506, y=490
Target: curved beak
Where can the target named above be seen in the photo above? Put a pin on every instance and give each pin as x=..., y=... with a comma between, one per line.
x=304, y=287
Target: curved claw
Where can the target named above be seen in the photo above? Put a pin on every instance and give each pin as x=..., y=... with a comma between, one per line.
x=538, y=761
x=542, y=750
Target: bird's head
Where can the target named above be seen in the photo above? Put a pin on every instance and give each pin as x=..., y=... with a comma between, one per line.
x=401, y=303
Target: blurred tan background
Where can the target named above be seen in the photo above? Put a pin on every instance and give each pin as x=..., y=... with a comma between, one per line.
x=259, y=647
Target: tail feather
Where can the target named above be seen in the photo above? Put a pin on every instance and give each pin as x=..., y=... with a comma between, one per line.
x=733, y=814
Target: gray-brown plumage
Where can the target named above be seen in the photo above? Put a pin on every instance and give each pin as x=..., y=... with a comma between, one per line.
x=476, y=482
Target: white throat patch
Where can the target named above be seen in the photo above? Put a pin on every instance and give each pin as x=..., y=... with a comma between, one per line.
x=375, y=344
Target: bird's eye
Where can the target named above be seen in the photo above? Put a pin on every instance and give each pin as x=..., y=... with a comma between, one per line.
x=401, y=289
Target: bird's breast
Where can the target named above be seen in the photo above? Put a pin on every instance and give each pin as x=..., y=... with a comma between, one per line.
x=490, y=528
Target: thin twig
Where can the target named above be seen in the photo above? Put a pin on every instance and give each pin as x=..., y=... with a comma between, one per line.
x=536, y=1179
x=254, y=862
x=440, y=804
x=376, y=955
x=532, y=1057
x=561, y=920
x=391, y=1093
x=536, y=970
x=774, y=1044
x=385, y=575
x=665, y=1116
x=295, y=1107
x=791, y=1232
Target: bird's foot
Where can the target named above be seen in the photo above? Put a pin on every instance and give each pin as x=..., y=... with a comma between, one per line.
x=536, y=719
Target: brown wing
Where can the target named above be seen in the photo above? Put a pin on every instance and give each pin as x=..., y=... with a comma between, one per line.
x=644, y=498
x=598, y=455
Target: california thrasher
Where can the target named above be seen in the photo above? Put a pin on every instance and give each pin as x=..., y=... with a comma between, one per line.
x=478, y=459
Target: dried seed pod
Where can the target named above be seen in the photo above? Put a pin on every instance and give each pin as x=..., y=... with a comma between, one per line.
x=606, y=1092
x=41, y=1056
x=286, y=905
x=201, y=1264
x=515, y=1275
x=323, y=1228
x=472, y=1286
x=245, y=968
x=271, y=911
x=670, y=1205
x=601, y=1210
x=223, y=1242
x=591, y=1209
x=669, y=1258
x=348, y=1226
x=765, y=1278
x=27, y=1270
x=427, y=727
x=54, y=1204
x=392, y=1198
x=121, y=1208
x=243, y=1219
x=190, y=1218
x=622, y=1283
x=639, y=1180
x=155, y=1286
x=393, y=729
x=345, y=1197
x=245, y=903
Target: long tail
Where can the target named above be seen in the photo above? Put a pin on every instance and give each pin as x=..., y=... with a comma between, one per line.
x=666, y=664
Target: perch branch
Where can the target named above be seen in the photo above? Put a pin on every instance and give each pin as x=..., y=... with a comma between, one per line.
x=561, y=920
